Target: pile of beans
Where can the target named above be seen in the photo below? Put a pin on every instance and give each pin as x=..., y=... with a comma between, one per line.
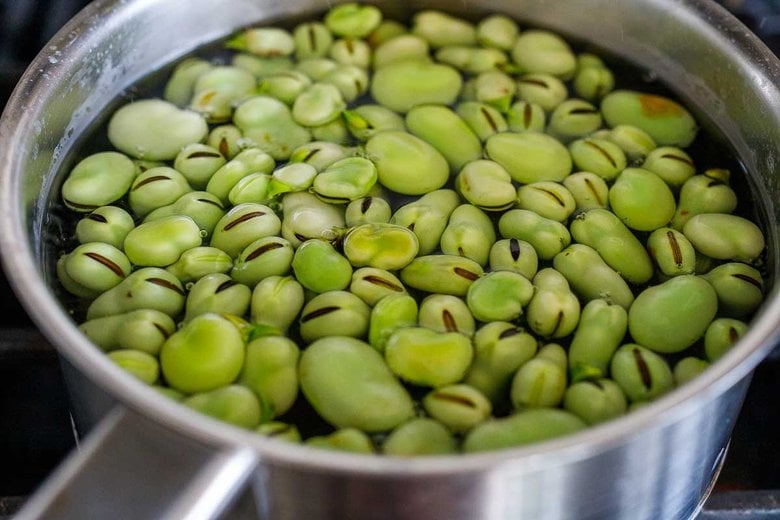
x=441, y=237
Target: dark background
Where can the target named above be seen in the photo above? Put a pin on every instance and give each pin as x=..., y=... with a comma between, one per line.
x=34, y=437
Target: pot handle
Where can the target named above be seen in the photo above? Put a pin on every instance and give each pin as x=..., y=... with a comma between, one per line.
x=131, y=467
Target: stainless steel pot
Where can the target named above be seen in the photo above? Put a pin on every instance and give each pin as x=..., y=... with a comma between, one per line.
x=150, y=458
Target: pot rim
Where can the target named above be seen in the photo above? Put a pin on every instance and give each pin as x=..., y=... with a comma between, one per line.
x=49, y=316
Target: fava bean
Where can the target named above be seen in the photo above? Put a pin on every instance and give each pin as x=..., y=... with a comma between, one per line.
x=522, y=428
x=233, y=404
x=428, y=358
x=446, y=313
x=419, y=436
x=334, y=313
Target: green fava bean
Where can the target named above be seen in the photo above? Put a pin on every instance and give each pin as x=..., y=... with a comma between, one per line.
x=511, y=254
x=276, y=302
x=500, y=348
x=267, y=256
x=98, y=180
x=739, y=288
x=389, y=314
x=96, y=266
x=588, y=189
x=617, y=246
x=548, y=199
x=307, y=217
x=181, y=84
x=543, y=90
x=280, y=430
x=593, y=82
x=641, y=199
x=319, y=154
x=144, y=330
x=255, y=187
x=403, y=85
x=268, y=124
x=522, y=428
x=312, y=40
x=544, y=52
x=334, y=313
x=351, y=81
x=530, y=156
x=316, y=68
x=600, y=332
x=247, y=162
x=202, y=207
x=403, y=47
x=487, y=185
x=637, y=145
x=441, y=29
x=687, y=369
x=428, y=358
x=367, y=210
x=595, y=400
x=264, y=42
x=228, y=139
x=591, y=277
x=285, y=85
x=345, y=439
x=495, y=88
x=320, y=268
x=140, y=364
x=155, y=188
x=219, y=89
x=443, y=128
x=234, y=404
x=197, y=163
x=427, y=217
x=541, y=382
x=161, y=242
x=195, y=263
x=203, y=355
x=291, y=177
x=599, y=156
x=483, y=119
x=672, y=252
x=107, y=224
x=353, y=20
x=351, y=51
x=471, y=60
x=319, y=104
x=349, y=385
x=271, y=371
x=554, y=310
x=707, y=193
x=419, y=436
x=383, y=246
x=499, y=296
x=217, y=293
x=469, y=234
x=666, y=121
x=572, y=119
x=443, y=274
x=547, y=237
x=261, y=67
x=345, y=180
x=371, y=284
x=524, y=116
x=242, y=225
x=446, y=313
x=498, y=31
x=459, y=407
x=145, y=288
x=725, y=237
x=642, y=374
x=365, y=121
x=672, y=316
x=673, y=165
x=154, y=129
x=721, y=335
x=399, y=157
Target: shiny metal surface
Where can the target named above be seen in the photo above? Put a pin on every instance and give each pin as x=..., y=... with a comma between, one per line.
x=654, y=463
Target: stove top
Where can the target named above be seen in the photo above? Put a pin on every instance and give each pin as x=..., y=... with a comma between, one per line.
x=36, y=430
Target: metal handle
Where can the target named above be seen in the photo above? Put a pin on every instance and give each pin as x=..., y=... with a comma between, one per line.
x=135, y=467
